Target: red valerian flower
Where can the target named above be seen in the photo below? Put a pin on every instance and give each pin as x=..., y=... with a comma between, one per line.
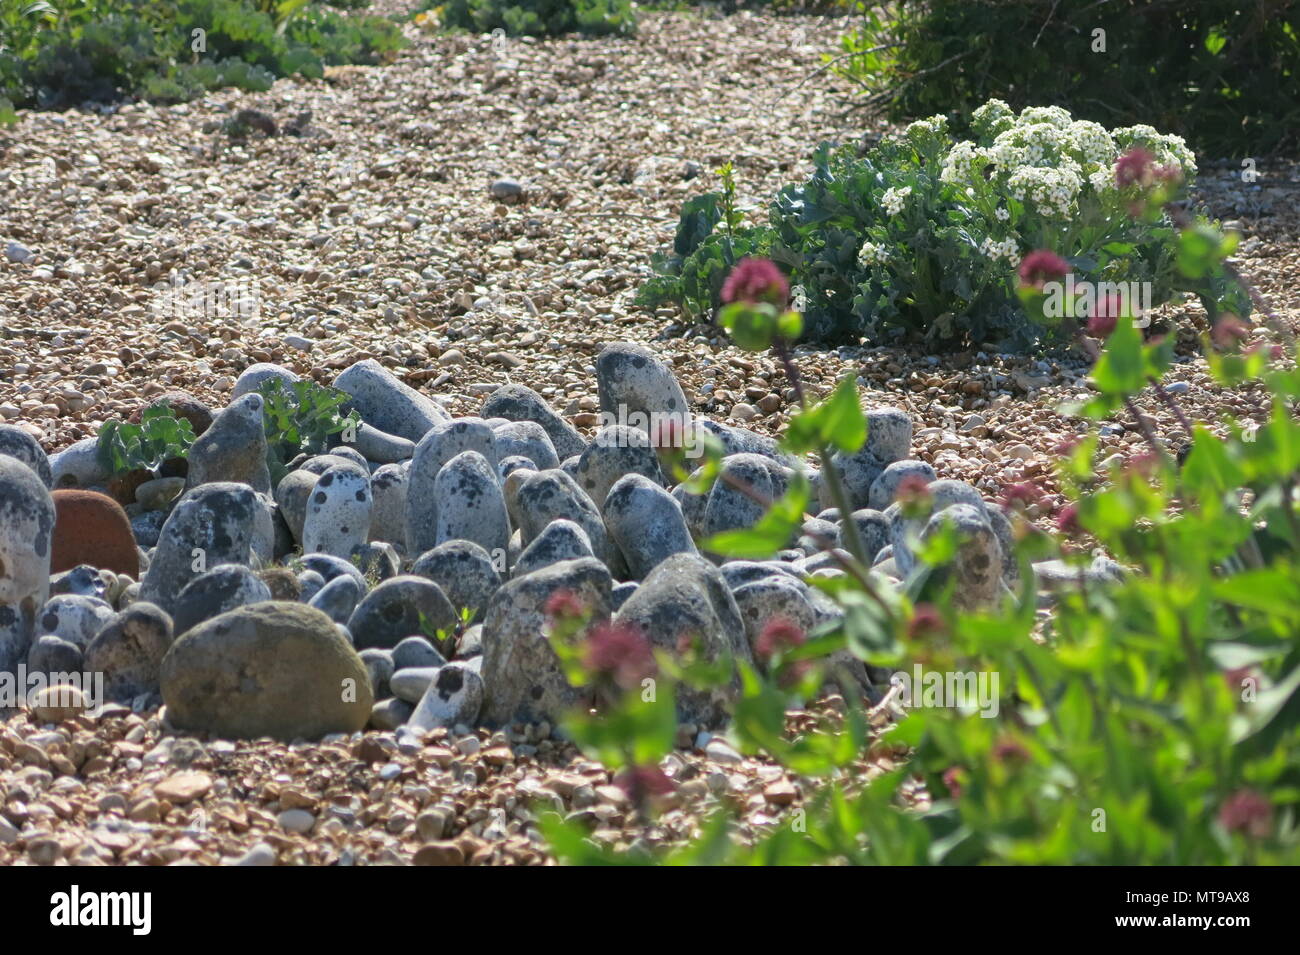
x=1010, y=751
x=641, y=782
x=1066, y=446
x=1248, y=812
x=1020, y=496
x=779, y=634
x=913, y=495
x=1067, y=520
x=1042, y=266
x=1169, y=173
x=564, y=603
x=1228, y=331
x=668, y=432
x=1102, y=322
x=953, y=777
x=1134, y=168
x=926, y=622
x=621, y=652
x=1268, y=351
x=1142, y=465
x=756, y=280
x=1236, y=678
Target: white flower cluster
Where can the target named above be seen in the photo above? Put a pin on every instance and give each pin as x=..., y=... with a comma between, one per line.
x=992, y=118
x=1168, y=149
x=1091, y=144
x=1053, y=191
x=965, y=162
x=1006, y=249
x=1037, y=144
x=1003, y=213
x=1045, y=157
x=1102, y=179
x=872, y=254
x=922, y=129
x=1051, y=115
x=894, y=199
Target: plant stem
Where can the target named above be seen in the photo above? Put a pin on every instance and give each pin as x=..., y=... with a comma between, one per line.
x=829, y=474
x=1168, y=401
x=1151, y=437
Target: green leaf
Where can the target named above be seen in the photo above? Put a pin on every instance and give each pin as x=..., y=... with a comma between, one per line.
x=1121, y=370
x=1201, y=248
x=836, y=422
x=699, y=216
x=1274, y=712
x=1208, y=469
x=752, y=326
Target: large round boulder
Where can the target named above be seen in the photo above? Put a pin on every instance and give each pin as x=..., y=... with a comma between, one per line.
x=271, y=669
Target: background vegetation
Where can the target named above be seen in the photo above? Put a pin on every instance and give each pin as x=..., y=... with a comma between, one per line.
x=536, y=17
x=1224, y=74
x=60, y=53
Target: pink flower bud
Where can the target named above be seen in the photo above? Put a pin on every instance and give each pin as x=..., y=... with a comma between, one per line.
x=756, y=280
x=1042, y=266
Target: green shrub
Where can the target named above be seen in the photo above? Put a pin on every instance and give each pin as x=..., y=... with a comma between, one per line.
x=60, y=53
x=1152, y=719
x=304, y=417
x=1211, y=70
x=336, y=40
x=703, y=254
x=784, y=6
x=159, y=437
x=920, y=238
x=537, y=17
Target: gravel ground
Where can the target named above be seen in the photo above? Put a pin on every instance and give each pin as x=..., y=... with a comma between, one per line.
x=369, y=226
x=116, y=787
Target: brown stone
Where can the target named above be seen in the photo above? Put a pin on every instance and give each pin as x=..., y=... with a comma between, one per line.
x=54, y=704
x=281, y=582
x=147, y=810
x=296, y=799
x=91, y=528
x=498, y=755
x=30, y=753
x=440, y=853
x=781, y=792
x=183, y=787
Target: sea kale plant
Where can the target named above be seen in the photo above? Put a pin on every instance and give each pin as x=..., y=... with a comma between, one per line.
x=1152, y=718
x=302, y=418
x=160, y=436
x=921, y=238
x=711, y=238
